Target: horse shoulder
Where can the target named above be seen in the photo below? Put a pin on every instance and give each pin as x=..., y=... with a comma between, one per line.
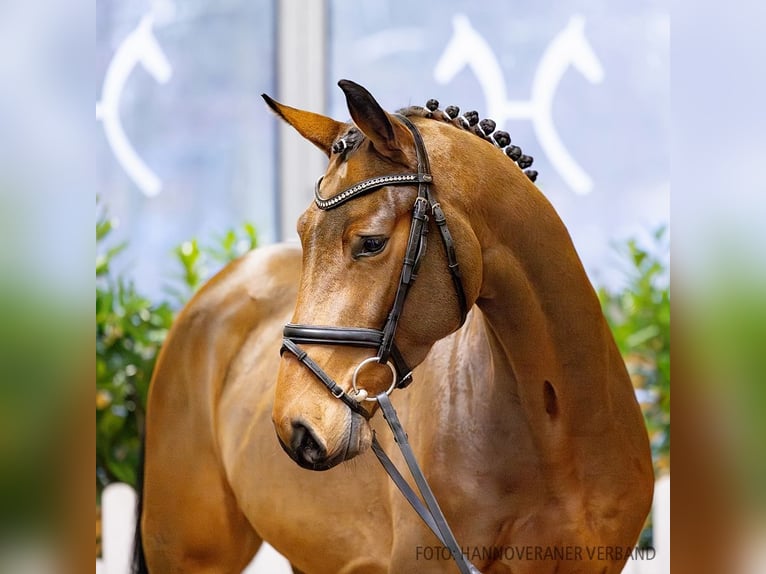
x=211, y=328
x=182, y=441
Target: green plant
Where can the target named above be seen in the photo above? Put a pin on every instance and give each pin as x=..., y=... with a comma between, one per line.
x=130, y=329
x=196, y=261
x=129, y=332
x=639, y=315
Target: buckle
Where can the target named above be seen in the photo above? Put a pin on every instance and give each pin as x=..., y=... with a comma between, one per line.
x=405, y=381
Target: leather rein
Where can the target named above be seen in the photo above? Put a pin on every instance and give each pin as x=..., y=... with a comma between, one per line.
x=383, y=339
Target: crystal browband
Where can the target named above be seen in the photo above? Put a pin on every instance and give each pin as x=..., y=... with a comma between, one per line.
x=365, y=186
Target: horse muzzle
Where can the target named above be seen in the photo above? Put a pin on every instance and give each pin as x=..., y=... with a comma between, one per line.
x=306, y=448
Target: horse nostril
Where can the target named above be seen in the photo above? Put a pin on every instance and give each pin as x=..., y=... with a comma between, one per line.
x=305, y=445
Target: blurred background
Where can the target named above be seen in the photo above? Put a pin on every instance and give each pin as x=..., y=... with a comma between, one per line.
x=191, y=171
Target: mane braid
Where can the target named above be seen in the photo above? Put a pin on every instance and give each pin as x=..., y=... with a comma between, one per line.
x=469, y=122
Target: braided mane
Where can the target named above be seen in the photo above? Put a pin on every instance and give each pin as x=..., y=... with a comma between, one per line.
x=469, y=121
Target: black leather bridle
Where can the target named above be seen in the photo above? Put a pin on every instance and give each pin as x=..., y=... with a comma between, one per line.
x=383, y=339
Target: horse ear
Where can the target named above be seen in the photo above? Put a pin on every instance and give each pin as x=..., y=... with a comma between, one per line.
x=318, y=129
x=385, y=135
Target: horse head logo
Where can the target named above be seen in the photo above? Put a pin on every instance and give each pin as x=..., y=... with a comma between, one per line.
x=569, y=48
x=139, y=47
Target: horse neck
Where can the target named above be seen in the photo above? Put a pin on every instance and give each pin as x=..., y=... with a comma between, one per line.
x=537, y=300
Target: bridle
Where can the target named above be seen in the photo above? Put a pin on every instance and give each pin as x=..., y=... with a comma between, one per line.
x=383, y=339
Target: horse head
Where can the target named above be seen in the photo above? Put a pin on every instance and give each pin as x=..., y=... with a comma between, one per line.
x=457, y=52
x=579, y=50
x=351, y=272
x=149, y=52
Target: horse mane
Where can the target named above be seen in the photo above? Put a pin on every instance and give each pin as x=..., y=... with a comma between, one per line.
x=470, y=122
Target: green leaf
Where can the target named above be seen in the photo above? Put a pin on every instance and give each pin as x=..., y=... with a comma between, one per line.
x=130, y=329
x=639, y=316
x=103, y=228
x=642, y=336
x=123, y=471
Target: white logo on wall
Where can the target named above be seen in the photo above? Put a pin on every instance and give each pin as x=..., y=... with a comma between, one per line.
x=569, y=48
x=138, y=47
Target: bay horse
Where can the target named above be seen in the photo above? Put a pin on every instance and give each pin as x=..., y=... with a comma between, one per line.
x=521, y=414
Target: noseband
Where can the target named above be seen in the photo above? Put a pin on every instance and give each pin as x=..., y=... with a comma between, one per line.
x=383, y=339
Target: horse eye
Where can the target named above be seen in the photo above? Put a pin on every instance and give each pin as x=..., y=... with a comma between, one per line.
x=372, y=245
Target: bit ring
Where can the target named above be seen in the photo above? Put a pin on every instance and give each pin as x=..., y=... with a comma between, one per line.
x=361, y=394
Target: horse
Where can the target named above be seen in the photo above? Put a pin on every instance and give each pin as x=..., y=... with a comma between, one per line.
x=570, y=48
x=520, y=409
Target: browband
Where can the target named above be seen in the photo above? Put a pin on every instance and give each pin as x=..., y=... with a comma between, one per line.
x=365, y=186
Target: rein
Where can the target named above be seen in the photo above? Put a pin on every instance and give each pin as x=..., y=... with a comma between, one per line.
x=383, y=339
